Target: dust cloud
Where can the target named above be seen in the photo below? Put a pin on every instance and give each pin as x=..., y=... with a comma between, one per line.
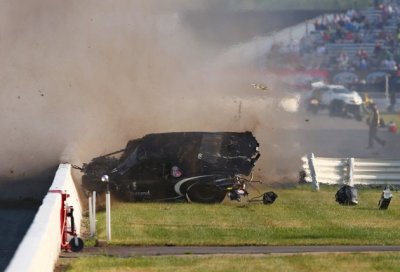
x=80, y=78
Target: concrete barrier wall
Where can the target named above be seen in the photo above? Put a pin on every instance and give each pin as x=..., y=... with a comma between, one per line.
x=63, y=181
x=40, y=248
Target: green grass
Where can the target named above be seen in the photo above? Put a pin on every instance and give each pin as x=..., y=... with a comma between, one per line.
x=298, y=217
x=365, y=262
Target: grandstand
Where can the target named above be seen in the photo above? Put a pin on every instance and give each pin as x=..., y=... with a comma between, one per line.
x=351, y=48
x=362, y=44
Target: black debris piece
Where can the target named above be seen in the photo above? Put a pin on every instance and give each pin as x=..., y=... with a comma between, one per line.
x=347, y=195
x=269, y=197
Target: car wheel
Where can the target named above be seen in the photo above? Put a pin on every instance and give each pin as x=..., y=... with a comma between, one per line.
x=76, y=244
x=205, y=193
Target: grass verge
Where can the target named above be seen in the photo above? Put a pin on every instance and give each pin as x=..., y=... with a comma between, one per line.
x=366, y=262
x=298, y=217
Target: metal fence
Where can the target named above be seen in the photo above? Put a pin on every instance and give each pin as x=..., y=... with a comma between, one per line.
x=350, y=171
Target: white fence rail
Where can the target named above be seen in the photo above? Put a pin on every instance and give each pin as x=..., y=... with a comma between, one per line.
x=350, y=171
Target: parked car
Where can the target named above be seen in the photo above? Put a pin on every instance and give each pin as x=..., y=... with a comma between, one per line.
x=192, y=166
x=339, y=100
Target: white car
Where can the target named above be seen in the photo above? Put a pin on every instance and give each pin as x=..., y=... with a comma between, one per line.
x=337, y=98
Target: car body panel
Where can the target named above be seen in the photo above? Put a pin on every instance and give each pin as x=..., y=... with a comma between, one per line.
x=174, y=165
x=326, y=93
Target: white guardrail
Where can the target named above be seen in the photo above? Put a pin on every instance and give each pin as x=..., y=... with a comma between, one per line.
x=40, y=247
x=350, y=171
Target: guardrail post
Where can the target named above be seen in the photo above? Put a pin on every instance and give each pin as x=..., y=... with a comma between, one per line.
x=313, y=173
x=94, y=212
x=108, y=216
x=106, y=179
x=91, y=217
x=350, y=179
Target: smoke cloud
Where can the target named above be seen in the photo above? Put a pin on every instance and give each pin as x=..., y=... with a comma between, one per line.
x=81, y=78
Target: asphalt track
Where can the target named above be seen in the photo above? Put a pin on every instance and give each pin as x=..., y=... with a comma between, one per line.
x=14, y=223
x=19, y=202
x=134, y=251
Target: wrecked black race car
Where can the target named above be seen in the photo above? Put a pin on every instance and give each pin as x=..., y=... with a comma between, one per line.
x=193, y=166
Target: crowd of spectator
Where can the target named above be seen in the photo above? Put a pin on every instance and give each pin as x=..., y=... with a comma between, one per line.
x=352, y=27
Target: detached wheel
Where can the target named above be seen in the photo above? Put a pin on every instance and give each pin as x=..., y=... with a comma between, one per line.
x=205, y=193
x=76, y=244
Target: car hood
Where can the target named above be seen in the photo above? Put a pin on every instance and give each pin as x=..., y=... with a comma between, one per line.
x=353, y=97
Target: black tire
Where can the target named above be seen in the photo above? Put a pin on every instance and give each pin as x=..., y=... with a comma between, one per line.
x=76, y=244
x=205, y=193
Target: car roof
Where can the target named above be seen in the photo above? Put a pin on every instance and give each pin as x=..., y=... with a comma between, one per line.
x=332, y=87
x=336, y=86
x=321, y=84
